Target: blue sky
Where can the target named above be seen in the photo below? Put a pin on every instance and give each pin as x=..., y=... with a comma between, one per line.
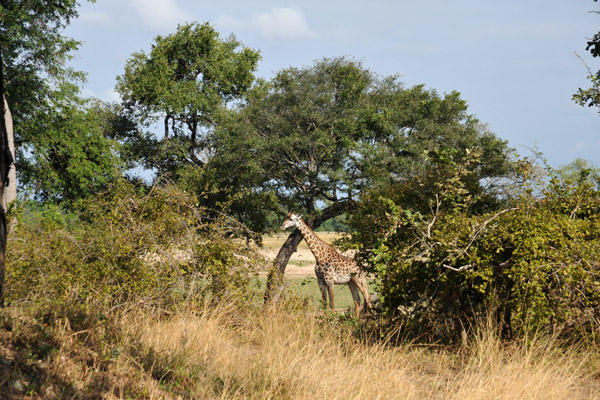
x=513, y=61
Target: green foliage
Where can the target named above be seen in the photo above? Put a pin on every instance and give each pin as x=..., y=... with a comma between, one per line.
x=578, y=169
x=326, y=133
x=62, y=152
x=126, y=245
x=71, y=158
x=304, y=125
x=335, y=224
x=34, y=50
x=34, y=55
x=188, y=80
x=442, y=259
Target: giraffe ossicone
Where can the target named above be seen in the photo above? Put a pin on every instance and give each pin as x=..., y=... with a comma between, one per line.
x=332, y=267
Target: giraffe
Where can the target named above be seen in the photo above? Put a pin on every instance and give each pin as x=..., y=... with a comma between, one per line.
x=332, y=267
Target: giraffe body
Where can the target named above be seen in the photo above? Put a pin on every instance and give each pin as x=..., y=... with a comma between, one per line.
x=332, y=268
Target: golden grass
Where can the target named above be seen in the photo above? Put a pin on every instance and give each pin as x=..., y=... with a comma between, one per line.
x=220, y=352
x=278, y=355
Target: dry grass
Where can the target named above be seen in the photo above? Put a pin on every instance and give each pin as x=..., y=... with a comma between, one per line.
x=223, y=353
x=300, y=356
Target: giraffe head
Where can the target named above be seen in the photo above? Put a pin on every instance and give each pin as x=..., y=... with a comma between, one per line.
x=291, y=220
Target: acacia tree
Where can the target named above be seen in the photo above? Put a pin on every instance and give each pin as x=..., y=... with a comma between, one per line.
x=187, y=80
x=321, y=135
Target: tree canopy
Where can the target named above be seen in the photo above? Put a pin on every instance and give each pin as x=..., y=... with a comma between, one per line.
x=320, y=136
x=60, y=151
x=188, y=79
x=324, y=133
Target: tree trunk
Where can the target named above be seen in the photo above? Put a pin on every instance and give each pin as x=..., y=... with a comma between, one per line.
x=10, y=191
x=275, y=278
x=5, y=162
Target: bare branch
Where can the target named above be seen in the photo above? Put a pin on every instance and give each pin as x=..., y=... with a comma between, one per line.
x=467, y=266
x=435, y=214
x=584, y=63
x=459, y=268
x=464, y=251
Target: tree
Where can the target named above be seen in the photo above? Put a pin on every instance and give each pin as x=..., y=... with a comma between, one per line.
x=321, y=135
x=578, y=169
x=10, y=191
x=5, y=162
x=188, y=79
x=33, y=56
x=591, y=96
x=34, y=59
x=74, y=155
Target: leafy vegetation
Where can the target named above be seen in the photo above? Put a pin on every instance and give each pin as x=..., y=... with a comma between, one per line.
x=126, y=245
x=444, y=257
x=187, y=80
x=131, y=289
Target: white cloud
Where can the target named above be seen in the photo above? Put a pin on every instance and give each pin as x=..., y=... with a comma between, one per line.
x=95, y=18
x=278, y=23
x=286, y=23
x=109, y=95
x=160, y=14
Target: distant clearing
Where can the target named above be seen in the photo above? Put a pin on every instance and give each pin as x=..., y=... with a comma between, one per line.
x=302, y=262
x=300, y=271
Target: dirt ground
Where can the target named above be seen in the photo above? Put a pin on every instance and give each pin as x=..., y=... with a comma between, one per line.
x=302, y=262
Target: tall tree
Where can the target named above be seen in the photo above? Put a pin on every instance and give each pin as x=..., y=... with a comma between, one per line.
x=33, y=59
x=5, y=162
x=35, y=56
x=10, y=191
x=591, y=95
x=322, y=134
x=187, y=80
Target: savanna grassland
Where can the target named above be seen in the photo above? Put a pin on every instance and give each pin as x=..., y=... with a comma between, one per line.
x=229, y=352
x=129, y=270
x=215, y=347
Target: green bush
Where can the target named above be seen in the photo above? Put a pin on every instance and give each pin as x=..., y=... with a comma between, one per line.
x=445, y=254
x=126, y=245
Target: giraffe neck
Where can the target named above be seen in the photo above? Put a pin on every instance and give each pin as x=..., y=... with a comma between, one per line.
x=316, y=245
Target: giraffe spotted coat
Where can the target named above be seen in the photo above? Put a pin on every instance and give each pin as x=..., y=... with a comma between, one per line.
x=332, y=267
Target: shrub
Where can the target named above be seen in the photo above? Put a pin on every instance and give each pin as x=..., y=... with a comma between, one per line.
x=443, y=255
x=127, y=245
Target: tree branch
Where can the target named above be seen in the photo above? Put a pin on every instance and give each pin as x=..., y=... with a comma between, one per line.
x=474, y=237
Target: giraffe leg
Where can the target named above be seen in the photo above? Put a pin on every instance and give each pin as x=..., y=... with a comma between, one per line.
x=355, y=295
x=361, y=282
x=331, y=295
x=323, y=288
